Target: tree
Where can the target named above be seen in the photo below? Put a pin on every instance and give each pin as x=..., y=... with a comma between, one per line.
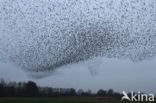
x=89, y=92
x=110, y=92
x=101, y=92
x=80, y=92
x=11, y=91
x=31, y=89
x=1, y=90
x=72, y=92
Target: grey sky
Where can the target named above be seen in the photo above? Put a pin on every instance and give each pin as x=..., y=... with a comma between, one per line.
x=44, y=35
x=110, y=73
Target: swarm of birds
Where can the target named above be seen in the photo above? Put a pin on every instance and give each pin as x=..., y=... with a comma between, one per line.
x=43, y=35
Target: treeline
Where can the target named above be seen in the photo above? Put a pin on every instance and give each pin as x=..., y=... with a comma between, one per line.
x=30, y=89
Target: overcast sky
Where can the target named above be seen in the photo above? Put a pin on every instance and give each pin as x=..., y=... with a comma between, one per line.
x=94, y=74
x=43, y=35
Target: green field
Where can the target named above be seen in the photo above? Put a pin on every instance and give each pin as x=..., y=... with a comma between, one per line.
x=60, y=100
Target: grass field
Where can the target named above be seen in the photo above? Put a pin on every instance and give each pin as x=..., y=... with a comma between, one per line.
x=61, y=100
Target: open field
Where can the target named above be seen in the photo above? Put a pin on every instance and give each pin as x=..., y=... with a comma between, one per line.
x=61, y=100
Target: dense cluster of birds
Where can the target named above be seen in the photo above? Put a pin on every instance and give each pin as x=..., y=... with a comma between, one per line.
x=43, y=35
